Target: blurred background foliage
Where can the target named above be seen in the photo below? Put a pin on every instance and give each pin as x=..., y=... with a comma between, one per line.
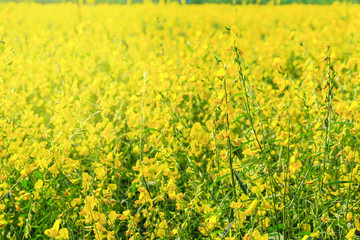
x=260, y=2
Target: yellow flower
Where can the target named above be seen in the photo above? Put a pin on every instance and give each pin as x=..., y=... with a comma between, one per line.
x=257, y=236
x=100, y=173
x=229, y=108
x=174, y=232
x=220, y=73
x=351, y=234
x=251, y=208
x=3, y=222
x=90, y=202
x=249, y=152
x=236, y=205
x=113, y=215
x=349, y=216
x=357, y=224
x=125, y=215
x=39, y=184
x=306, y=227
x=113, y=186
x=161, y=230
x=63, y=234
x=54, y=231
x=315, y=234
x=75, y=202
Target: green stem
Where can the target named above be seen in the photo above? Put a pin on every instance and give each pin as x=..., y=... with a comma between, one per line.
x=350, y=184
x=141, y=135
x=229, y=145
x=263, y=153
x=327, y=122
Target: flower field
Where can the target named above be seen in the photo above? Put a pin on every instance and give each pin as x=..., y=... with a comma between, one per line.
x=171, y=121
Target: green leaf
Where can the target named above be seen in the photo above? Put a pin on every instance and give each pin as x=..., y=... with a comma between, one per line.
x=237, y=148
x=341, y=123
x=339, y=182
x=50, y=201
x=217, y=59
x=303, y=233
x=218, y=180
x=44, y=218
x=242, y=185
x=280, y=226
x=24, y=183
x=227, y=229
x=272, y=141
x=38, y=175
x=36, y=227
x=238, y=94
x=224, y=198
x=133, y=189
x=238, y=118
x=151, y=129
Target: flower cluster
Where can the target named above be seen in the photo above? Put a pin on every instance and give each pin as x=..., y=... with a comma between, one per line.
x=179, y=122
